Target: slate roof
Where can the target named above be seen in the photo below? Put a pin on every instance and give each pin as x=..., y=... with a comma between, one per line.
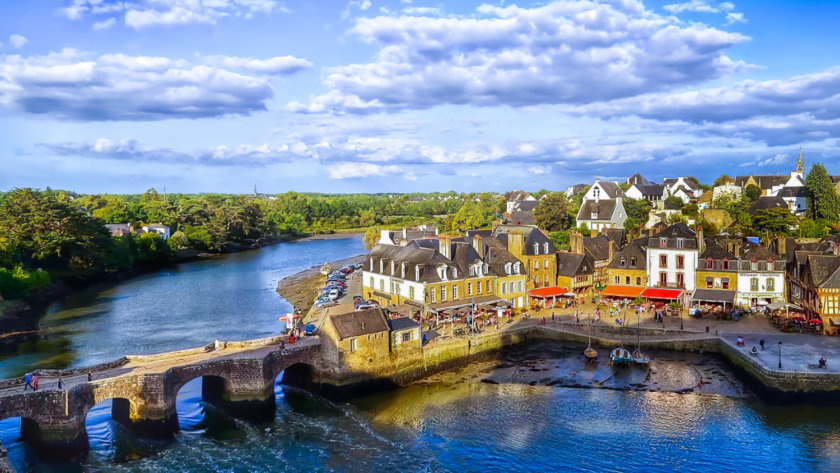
x=767, y=203
x=716, y=250
x=532, y=235
x=519, y=217
x=359, y=322
x=603, y=208
x=750, y=250
x=638, y=180
x=687, y=183
x=822, y=267
x=652, y=190
x=611, y=189
x=402, y=323
x=636, y=250
x=672, y=233
x=573, y=264
x=516, y=195
x=526, y=205
x=598, y=247
x=765, y=182
x=791, y=192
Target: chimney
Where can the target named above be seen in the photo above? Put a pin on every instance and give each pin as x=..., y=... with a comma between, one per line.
x=478, y=244
x=576, y=243
x=737, y=251
x=516, y=244
x=610, y=251
x=701, y=242
x=405, y=234
x=384, y=235
x=781, y=245
x=445, y=246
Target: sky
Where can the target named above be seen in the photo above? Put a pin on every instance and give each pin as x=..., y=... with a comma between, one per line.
x=106, y=96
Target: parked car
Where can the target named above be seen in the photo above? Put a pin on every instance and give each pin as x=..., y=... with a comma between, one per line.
x=335, y=294
x=367, y=306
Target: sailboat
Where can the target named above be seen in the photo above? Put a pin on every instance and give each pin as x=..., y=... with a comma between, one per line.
x=590, y=352
x=620, y=356
x=638, y=357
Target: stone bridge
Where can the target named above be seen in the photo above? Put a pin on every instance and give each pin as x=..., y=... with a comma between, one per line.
x=239, y=377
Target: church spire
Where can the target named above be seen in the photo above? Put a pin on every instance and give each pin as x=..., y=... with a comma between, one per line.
x=800, y=164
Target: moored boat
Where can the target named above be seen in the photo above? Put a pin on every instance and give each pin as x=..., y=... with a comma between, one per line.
x=640, y=358
x=590, y=352
x=326, y=269
x=620, y=356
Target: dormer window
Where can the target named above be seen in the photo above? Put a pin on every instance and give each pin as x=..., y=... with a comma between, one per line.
x=593, y=216
x=517, y=267
x=402, y=270
x=633, y=262
x=393, y=268
x=536, y=248
x=679, y=242
x=454, y=272
x=545, y=247
x=371, y=264
x=663, y=243
x=621, y=263
x=472, y=271
x=724, y=264
x=710, y=263
x=486, y=268
x=381, y=266
x=507, y=268
x=417, y=273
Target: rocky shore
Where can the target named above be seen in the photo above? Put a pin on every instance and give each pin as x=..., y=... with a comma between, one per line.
x=300, y=289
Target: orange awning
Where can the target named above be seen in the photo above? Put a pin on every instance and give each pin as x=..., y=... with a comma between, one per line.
x=544, y=292
x=658, y=293
x=628, y=292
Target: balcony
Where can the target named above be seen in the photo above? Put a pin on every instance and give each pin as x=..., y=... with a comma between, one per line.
x=670, y=285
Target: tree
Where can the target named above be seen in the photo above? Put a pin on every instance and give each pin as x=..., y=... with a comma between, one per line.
x=560, y=240
x=722, y=180
x=371, y=237
x=552, y=212
x=674, y=201
x=822, y=201
x=690, y=209
x=773, y=221
x=809, y=228
x=752, y=192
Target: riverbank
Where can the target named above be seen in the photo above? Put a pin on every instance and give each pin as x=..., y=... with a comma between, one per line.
x=301, y=289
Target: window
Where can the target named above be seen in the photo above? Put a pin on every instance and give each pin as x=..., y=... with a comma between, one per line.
x=443, y=293
x=679, y=242
x=472, y=271
x=536, y=248
x=488, y=286
x=617, y=279
x=536, y=264
x=545, y=279
x=710, y=282
x=626, y=279
x=479, y=287
x=680, y=261
x=371, y=282
x=392, y=287
x=663, y=243
x=520, y=286
x=352, y=345
x=771, y=284
x=680, y=280
x=536, y=281
x=504, y=288
x=710, y=264
x=638, y=280
x=517, y=268
x=411, y=292
x=507, y=268
x=406, y=337
x=382, y=285
x=724, y=283
x=663, y=279
x=633, y=262
x=754, y=284
x=545, y=247
x=545, y=263
x=432, y=294
x=469, y=288
x=724, y=264
x=621, y=262
x=454, y=292
x=663, y=261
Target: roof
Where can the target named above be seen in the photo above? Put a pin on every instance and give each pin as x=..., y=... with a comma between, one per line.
x=552, y=291
x=634, y=253
x=672, y=233
x=715, y=250
x=402, y=323
x=652, y=190
x=659, y=293
x=516, y=195
x=638, y=180
x=767, y=203
x=573, y=264
x=686, y=182
x=713, y=295
x=765, y=182
x=598, y=247
x=629, y=292
x=360, y=322
x=822, y=267
x=526, y=205
x=520, y=217
x=602, y=209
x=705, y=197
x=791, y=192
x=611, y=189
x=532, y=235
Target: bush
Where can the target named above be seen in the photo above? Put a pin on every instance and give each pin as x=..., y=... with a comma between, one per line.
x=18, y=282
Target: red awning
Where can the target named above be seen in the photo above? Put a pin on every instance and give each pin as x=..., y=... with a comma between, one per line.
x=629, y=292
x=658, y=293
x=544, y=292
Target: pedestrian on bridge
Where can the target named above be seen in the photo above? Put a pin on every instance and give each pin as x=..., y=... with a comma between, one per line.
x=27, y=378
x=35, y=382
x=60, y=384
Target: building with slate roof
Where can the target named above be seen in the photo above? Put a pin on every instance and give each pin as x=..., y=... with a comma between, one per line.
x=672, y=257
x=602, y=207
x=649, y=192
x=628, y=266
x=534, y=249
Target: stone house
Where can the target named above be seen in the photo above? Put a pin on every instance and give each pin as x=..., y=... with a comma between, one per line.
x=534, y=249
x=650, y=192
x=602, y=206
x=358, y=340
x=576, y=272
x=629, y=265
x=406, y=335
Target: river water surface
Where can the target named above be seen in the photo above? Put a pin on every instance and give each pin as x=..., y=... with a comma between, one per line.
x=452, y=422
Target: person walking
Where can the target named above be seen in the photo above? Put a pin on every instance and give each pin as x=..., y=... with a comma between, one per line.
x=90, y=376
x=27, y=378
x=761, y=342
x=35, y=382
x=60, y=384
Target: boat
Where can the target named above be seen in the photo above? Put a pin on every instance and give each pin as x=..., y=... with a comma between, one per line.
x=326, y=269
x=638, y=357
x=590, y=352
x=620, y=356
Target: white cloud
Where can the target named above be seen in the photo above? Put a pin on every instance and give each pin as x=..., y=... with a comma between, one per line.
x=272, y=66
x=361, y=170
x=17, y=41
x=698, y=6
x=104, y=25
x=563, y=52
x=539, y=170
x=732, y=18
x=140, y=14
x=75, y=85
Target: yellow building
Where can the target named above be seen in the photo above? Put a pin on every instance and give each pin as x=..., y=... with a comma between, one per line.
x=359, y=339
x=576, y=273
x=629, y=265
x=535, y=250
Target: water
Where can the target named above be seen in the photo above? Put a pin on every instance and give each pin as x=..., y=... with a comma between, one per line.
x=232, y=297
x=449, y=423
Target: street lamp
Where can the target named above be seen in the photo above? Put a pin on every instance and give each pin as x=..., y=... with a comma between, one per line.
x=780, y=354
x=681, y=318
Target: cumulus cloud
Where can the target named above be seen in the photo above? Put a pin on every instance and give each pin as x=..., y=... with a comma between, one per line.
x=140, y=14
x=274, y=66
x=17, y=41
x=361, y=170
x=75, y=85
x=104, y=25
x=564, y=52
x=733, y=17
x=698, y=6
x=539, y=170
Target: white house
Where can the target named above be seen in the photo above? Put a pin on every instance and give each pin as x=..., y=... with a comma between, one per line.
x=158, y=228
x=513, y=199
x=683, y=187
x=649, y=192
x=602, y=206
x=761, y=276
x=672, y=258
x=729, y=188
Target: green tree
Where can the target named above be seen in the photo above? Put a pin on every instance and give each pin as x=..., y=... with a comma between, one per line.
x=809, y=228
x=752, y=192
x=690, y=210
x=773, y=221
x=722, y=180
x=552, y=212
x=371, y=237
x=674, y=201
x=822, y=201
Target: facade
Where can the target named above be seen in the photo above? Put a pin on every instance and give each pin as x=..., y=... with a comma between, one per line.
x=158, y=228
x=513, y=198
x=682, y=187
x=576, y=273
x=629, y=265
x=650, y=192
x=406, y=336
x=404, y=236
x=359, y=339
x=530, y=246
x=672, y=258
x=729, y=188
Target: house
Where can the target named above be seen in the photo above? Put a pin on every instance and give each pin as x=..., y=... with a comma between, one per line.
x=600, y=248
x=515, y=197
x=771, y=185
x=511, y=275
x=522, y=212
x=683, y=187
x=705, y=200
x=403, y=237
x=717, y=267
x=406, y=335
x=650, y=192
x=672, y=257
x=602, y=206
x=767, y=203
x=728, y=188
x=661, y=212
x=535, y=250
x=576, y=273
x=359, y=340
x=794, y=197
x=119, y=229
x=761, y=275
x=158, y=228
x=628, y=267
x=575, y=189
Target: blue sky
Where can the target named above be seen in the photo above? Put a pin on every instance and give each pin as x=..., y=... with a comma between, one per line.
x=410, y=95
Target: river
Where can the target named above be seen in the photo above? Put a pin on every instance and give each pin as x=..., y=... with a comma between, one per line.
x=451, y=422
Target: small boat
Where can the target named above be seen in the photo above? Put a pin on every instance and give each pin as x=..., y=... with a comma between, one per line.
x=620, y=356
x=638, y=357
x=590, y=352
x=326, y=269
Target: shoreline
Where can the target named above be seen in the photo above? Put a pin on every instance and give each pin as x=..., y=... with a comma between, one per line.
x=301, y=288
